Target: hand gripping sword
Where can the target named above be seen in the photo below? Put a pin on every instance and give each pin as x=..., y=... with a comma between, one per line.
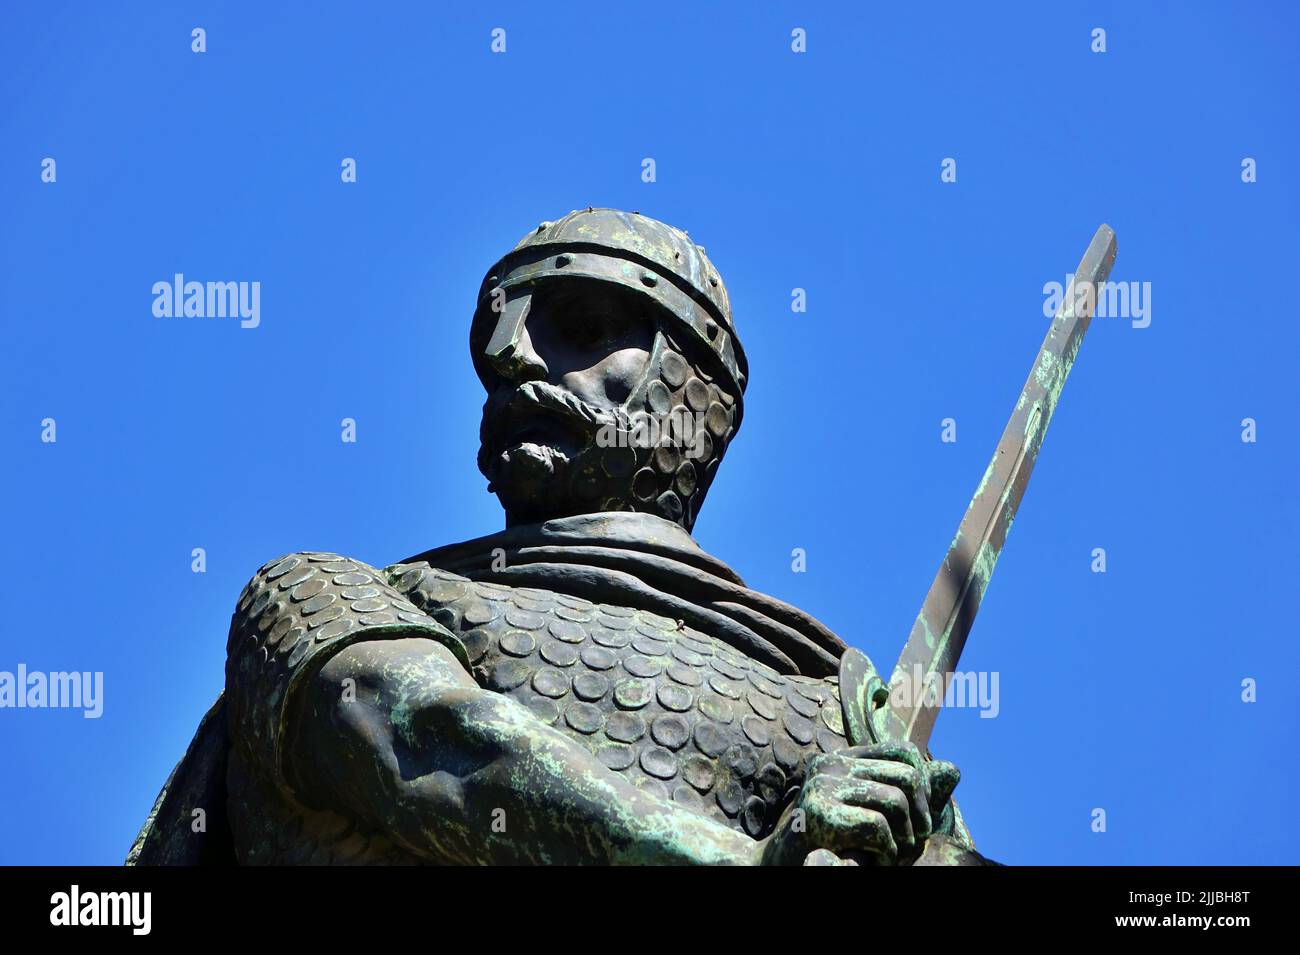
x=906, y=707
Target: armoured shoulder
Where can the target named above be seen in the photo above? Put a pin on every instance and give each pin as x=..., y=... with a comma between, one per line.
x=293, y=615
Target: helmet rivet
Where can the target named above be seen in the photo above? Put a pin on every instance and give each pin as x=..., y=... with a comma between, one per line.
x=562, y=260
x=649, y=278
x=713, y=280
x=541, y=226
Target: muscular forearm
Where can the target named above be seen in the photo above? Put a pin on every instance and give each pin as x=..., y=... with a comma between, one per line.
x=543, y=798
x=459, y=774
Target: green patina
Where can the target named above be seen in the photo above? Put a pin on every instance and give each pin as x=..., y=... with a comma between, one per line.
x=481, y=693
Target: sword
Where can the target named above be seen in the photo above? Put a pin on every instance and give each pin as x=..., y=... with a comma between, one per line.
x=906, y=707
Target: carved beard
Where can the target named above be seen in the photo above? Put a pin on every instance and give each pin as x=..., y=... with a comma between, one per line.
x=528, y=479
x=539, y=452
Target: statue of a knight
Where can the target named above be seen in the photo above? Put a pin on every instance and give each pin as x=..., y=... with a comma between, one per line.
x=586, y=686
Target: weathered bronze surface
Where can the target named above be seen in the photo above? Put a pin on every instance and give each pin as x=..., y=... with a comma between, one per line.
x=586, y=686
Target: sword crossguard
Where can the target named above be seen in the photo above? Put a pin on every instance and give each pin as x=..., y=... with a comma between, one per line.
x=863, y=695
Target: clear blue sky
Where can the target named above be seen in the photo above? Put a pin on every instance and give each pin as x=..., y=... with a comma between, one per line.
x=821, y=171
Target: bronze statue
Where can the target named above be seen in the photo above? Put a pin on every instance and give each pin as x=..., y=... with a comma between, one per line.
x=588, y=685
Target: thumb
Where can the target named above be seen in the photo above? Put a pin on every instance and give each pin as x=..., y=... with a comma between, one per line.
x=944, y=777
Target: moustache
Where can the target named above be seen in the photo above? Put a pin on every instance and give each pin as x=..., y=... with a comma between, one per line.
x=508, y=419
x=540, y=397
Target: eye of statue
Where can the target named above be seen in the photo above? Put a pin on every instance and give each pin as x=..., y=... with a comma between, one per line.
x=591, y=325
x=585, y=329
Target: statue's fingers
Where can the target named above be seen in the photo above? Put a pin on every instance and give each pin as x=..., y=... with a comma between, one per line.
x=873, y=838
x=845, y=815
x=913, y=782
x=837, y=765
x=897, y=752
x=891, y=802
x=860, y=833
x=944, y=777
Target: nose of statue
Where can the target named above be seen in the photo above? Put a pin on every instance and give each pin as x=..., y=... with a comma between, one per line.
x=512, y=354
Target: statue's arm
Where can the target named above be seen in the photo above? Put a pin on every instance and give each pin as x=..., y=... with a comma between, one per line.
x=343, y=695
x=455, y=773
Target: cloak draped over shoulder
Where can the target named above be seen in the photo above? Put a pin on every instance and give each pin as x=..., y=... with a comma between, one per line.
x=647, y=563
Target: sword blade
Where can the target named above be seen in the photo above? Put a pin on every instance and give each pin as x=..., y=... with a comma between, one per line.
x=920, y=678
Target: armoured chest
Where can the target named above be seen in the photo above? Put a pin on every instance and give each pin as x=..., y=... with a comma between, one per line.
x=678, y=712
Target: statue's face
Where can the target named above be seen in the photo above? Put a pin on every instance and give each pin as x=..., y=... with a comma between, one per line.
x=582, y=351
